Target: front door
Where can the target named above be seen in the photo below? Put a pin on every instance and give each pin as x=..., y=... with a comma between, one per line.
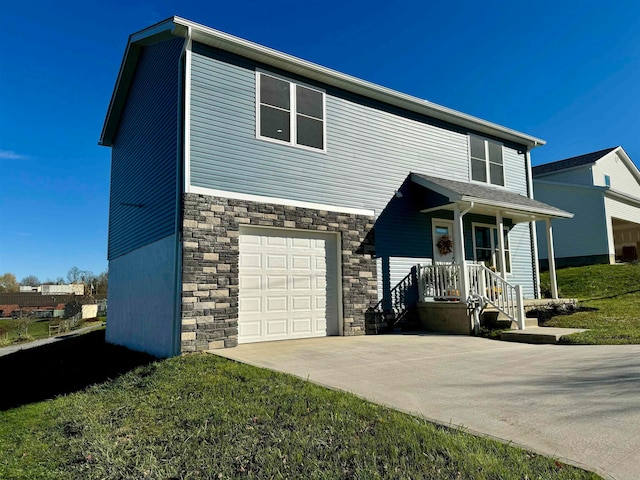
x=442, y=247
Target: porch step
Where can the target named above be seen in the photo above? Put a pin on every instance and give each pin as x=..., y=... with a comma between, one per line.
x=538, y=335
x=494, y=318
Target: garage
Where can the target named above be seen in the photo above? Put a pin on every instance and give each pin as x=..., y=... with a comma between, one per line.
x=287, y=284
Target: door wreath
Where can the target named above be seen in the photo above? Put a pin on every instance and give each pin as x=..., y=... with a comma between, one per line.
x=445, y=245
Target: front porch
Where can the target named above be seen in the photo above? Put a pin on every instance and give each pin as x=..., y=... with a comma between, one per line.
x=472, y=266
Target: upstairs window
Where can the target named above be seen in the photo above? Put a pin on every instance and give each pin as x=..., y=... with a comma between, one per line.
x=486, y=161
x=290, y=113
x=607, y=180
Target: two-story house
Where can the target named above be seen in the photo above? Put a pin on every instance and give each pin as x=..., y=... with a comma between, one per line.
x=602, y=189
x=257, y=196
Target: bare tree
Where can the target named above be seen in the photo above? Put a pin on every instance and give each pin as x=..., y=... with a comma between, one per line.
x=74, y=274
x=101, y=282
x=31, y=281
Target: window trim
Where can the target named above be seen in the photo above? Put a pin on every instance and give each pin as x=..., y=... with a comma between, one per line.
x=607, y=176
x=494, y=248
x=487, y=161
x=293, y=112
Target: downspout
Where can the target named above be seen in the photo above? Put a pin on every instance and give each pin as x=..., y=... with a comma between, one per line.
x=184, y=87
x=532, y=228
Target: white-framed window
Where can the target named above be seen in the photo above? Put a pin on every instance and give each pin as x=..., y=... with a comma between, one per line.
x=289, y=112
x=487, y=161
x=607, y=180
x=485, y=246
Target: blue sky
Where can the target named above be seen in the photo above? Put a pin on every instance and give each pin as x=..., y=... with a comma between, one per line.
x=564, y=71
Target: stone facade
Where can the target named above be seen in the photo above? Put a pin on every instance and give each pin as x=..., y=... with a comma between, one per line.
x=210, y=250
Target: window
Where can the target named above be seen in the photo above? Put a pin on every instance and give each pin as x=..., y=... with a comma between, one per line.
x=486, y=161
x=290, y=113
x=607, y=180
x=485, y=246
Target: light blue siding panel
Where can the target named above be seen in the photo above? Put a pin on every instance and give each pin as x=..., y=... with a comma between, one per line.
x=371, y=149
x=580, y=176
x=583, y=235
x=145, y=154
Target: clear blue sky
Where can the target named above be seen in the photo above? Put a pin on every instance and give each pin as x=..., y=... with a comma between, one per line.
x=565, y=71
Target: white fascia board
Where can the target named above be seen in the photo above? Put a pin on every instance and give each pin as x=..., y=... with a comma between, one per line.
x=624, y=197
x=254, y=51
x=278, y=201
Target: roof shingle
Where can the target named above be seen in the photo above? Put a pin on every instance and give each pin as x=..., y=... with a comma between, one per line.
x=572, y=162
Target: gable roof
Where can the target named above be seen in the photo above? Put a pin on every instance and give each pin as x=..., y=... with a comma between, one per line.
x=487, y=196
x=180, y=27
x=578, y=161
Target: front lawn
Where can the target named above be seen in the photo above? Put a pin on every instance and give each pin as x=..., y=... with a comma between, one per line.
x=201, y=416
x=12, y=330
x=612, y=291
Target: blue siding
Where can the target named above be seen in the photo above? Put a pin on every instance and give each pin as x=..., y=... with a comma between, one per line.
x=145, y=154
x=583, y=235
x=371, y=149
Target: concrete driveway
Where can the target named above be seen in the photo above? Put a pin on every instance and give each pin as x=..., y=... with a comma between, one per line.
x=580, y=403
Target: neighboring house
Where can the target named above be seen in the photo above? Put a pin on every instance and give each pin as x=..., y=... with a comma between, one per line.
x=72, y=288
x=256, y=196
x=602, y=189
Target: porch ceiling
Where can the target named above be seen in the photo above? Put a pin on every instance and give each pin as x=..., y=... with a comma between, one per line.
x=487, y=200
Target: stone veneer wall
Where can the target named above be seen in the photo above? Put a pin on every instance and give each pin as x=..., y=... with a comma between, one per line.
x=210, y=263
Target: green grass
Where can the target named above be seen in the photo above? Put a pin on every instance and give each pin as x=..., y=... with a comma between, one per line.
x=201, y=416
x=38, y=328
x=613, y=291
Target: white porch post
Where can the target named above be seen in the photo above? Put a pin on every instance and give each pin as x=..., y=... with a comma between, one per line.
x=503, y=264
x=458, y=243
x=552, y=260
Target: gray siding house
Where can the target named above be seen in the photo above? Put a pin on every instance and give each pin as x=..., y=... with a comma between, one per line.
x=257, y=196
x=602, y=189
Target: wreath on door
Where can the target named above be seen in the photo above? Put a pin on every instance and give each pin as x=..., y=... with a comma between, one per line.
x=445, y=245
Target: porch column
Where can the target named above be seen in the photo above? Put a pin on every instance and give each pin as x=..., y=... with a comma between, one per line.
x=503, y=264
x=552, y=260
x=458, y=244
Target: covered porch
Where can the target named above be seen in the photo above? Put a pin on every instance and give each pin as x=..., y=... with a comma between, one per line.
x=477, y=272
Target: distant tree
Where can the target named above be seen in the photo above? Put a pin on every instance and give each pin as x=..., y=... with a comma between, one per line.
x=31, y=281
x=88, y=278
x=72, y=308
x=58, y=281
x=8, y=283
x=73, y=275
x=101, y=282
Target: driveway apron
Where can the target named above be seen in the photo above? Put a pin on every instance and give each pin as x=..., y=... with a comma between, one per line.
x=578, y=403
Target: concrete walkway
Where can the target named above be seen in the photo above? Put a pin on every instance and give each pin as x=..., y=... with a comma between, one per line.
x=578, y=403
x=45, y=341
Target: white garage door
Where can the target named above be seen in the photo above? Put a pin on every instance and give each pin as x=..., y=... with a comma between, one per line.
x=288, y=285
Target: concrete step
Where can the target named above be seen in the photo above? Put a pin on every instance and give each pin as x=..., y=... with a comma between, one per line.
x=538, y=335
x=494, y=318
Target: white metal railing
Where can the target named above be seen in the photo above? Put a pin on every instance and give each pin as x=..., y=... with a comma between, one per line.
x=446, y=282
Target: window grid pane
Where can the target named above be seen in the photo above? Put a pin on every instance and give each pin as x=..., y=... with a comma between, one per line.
x=478, y=170
x=496, y=174
x=275, y=92
x=309, y=132
x=275, y=123
x=309, y=102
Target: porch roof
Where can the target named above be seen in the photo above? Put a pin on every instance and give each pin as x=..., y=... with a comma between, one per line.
x=487, y=200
